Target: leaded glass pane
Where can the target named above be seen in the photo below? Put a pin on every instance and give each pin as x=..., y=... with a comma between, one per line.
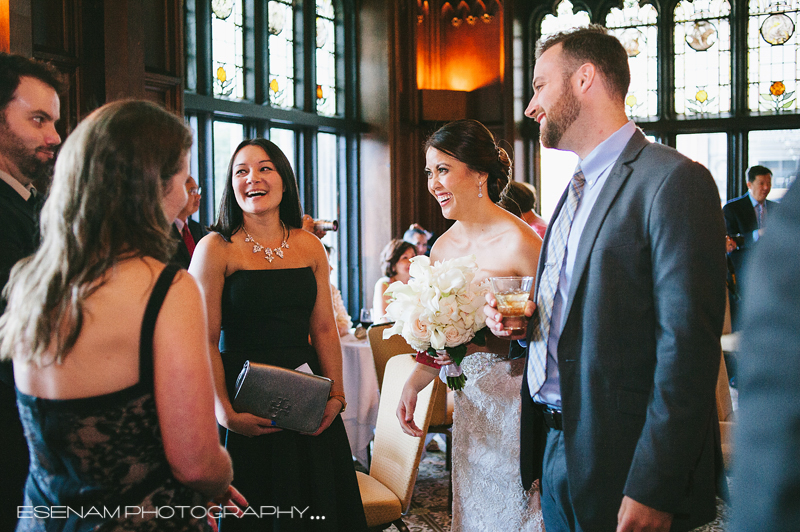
x=227, y=135
x=636, y=27
x=284, y=139
x=565, y=19
x=227, y=48
x=326, y=58
x=778, y=150
x=710, y=150
x=773, y=70
x=281, y=53
x=556, y=166
x=327, y=200
x=702, y=57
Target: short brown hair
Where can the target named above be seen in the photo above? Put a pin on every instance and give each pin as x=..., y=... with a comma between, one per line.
x=593, y=44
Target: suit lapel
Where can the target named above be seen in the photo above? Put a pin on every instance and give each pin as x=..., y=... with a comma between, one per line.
x=614, y=183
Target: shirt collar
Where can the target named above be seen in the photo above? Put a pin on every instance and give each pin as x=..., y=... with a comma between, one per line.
x=21, y=189
x=752, y=199
x=180, y=223
x=606, y=153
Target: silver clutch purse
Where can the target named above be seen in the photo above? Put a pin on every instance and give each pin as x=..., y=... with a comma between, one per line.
x=292, y=399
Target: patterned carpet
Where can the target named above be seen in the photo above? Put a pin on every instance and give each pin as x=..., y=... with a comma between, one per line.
x=429, y=511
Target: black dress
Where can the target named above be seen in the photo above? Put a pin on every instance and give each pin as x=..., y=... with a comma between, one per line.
x=98, y=463
x=292, y=481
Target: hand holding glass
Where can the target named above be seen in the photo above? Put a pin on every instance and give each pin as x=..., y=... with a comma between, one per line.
x=511, y=294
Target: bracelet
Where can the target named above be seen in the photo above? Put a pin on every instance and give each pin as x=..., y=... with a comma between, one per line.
x=339, y=397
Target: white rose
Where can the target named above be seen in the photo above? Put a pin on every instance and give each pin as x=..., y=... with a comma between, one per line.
x=452, y=336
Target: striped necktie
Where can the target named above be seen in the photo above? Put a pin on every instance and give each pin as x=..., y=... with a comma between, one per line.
x=548, y=284
x=760, y=215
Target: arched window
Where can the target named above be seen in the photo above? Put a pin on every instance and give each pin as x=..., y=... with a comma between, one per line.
x=564, y=19
x=702, y=57
x=637, y=28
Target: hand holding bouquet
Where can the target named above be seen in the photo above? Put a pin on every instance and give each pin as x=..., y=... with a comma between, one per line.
x=441, y=308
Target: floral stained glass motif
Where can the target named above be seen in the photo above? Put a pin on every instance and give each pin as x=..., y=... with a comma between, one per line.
x=281, y=53
x=636, y=27
x=702, y=57
x=326, y=58
x=773, y=52
x=564, y=19
x=227, y=49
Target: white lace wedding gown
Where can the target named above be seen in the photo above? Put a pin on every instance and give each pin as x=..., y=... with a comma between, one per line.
x=487, y=489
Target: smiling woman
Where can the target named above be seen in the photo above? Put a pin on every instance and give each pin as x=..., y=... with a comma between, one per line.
x=267, y=291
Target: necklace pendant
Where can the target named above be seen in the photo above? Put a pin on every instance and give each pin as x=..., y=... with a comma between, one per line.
x=257, y=248
x=268, y=255
x=285, y=244
x=279, y=252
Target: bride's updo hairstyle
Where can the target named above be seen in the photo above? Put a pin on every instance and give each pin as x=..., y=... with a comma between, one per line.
x=471, y=143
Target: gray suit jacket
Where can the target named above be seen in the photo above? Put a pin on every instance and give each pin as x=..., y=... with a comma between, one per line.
x=767, y=430
x=639, y=352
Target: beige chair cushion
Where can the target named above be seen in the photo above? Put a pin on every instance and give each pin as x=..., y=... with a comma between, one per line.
x=380, y=504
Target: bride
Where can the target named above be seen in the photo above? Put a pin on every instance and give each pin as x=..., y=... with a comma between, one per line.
x=466, y=172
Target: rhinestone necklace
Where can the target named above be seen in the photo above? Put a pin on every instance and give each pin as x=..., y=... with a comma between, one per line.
x=269, y=253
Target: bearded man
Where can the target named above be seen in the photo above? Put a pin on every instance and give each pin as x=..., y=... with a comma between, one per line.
x=29, y=110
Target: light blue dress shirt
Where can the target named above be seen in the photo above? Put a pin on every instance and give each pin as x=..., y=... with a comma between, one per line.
x=755, y=209
x=596, y=168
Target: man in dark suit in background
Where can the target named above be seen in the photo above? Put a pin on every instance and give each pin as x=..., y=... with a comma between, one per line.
x=766, y=468
x=619, y=414
x=745, y=220
x=185, y=230
x=29, y=109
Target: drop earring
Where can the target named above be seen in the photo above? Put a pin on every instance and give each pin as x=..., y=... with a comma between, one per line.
x=480, y=189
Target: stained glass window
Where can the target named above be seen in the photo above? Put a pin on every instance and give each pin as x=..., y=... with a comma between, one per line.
x=281, y=53
x=636, y=27
x=227, y=48
x=772, y=56
x=326, y=58
x=702, y=57
x=557, y=166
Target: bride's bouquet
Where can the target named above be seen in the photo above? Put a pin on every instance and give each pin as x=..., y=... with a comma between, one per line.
x=440, y=309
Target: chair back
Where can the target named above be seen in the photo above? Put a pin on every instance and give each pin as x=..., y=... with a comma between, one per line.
x=383, y=350
x=395, y=454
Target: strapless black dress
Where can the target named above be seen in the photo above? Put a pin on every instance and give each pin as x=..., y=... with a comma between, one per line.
x=292, y=481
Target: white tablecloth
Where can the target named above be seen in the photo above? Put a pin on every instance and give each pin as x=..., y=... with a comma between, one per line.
x=361, y=390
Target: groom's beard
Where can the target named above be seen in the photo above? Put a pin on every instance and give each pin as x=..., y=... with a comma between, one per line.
x=558, y=119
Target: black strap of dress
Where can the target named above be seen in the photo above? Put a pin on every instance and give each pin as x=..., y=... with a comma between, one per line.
x=149, y=323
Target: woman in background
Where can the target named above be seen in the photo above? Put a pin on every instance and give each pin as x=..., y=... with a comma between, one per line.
x=267, y=291
x=395, y=262
x=113, y=376
x=519, y=199
x=466, y=173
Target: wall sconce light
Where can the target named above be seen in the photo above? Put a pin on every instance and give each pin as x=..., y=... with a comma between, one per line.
x=457, y=12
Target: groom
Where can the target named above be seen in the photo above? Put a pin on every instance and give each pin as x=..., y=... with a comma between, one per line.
x=618, y=402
